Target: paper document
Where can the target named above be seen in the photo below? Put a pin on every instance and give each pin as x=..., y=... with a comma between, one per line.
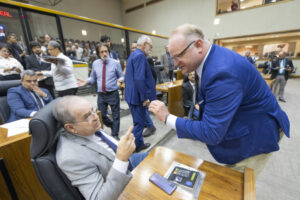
x=16, y=127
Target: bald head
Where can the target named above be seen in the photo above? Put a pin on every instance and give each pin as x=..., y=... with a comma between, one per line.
x=188, y=47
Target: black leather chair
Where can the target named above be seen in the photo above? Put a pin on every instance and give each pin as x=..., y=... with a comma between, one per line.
x=4, y=109
x=43, y=127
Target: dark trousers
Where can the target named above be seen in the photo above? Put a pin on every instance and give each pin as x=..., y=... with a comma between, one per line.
x=113, y=100
x=71, y=91
x=139, y=121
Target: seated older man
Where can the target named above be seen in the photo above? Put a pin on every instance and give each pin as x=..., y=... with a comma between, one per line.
x=25, y=100
x=93, y=161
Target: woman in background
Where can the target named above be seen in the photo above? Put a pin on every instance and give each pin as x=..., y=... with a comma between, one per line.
x=10, y=68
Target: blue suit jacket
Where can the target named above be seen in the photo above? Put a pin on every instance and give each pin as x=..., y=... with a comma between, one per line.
x=114, y=54
x=139, y=82
x=239, y=116
x=22, y=103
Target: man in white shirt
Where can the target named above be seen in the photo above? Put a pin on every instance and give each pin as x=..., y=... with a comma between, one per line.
x=79, y=51
x=93, y=161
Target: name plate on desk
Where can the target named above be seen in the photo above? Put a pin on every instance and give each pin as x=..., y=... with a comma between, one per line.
x=16, y=127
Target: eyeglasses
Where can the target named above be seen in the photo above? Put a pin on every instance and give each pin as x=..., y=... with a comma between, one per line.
x=178, y=56
x=29, y=81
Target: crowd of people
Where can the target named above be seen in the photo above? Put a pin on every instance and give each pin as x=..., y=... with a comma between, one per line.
x=225, y=101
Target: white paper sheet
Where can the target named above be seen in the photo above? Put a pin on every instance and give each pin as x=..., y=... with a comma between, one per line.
x=16, y=127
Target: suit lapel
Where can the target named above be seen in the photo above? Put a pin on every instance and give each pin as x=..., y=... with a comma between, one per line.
x=28, y=96
x=89, y=144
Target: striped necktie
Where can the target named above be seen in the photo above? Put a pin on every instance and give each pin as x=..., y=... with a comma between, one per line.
x=111, y=145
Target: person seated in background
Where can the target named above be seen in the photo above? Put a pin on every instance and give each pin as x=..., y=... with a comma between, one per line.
x=70, y=51
x=268, y=65
x=78, y=50
x=189, y=89
x=248, y=56
x=36, y=63
x=234, y=6
x=106, y=40
x=10, y=68
x=92, y=160
x=27, y=99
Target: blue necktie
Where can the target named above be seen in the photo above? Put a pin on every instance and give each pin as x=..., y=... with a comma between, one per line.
x=107, y=141
x=111, y=145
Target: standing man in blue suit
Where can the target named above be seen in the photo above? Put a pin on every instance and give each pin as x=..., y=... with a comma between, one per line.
x=139, y=88
x=239, y=118
x=25, y=100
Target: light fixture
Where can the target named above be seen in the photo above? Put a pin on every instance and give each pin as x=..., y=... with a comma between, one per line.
x=216, y=21
x=83, y=32
x=122, y=40
x=154, y=32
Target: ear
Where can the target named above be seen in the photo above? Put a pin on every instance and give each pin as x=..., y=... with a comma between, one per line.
x=199, y=45
x=70, y=128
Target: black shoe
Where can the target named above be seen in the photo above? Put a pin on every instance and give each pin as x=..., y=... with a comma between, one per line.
x=282, y=99
x=145, y=146
x=116, y=137
x=149, y=131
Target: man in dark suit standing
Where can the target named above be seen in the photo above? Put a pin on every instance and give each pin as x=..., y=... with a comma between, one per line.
x=25, y=100
x=139, y=88
x=35, y=62
x=281, y=70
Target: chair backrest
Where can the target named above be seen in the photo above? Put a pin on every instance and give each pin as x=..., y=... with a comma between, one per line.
x=43, y=127
x=4, y=108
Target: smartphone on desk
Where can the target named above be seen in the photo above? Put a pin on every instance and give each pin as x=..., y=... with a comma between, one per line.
x=163, y=183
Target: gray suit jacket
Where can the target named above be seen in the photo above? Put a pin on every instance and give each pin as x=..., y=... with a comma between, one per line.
x=89, y=167
x=165, y=63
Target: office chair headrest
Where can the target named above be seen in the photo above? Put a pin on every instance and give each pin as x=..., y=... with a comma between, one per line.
x=43, y=127
x=5, y=85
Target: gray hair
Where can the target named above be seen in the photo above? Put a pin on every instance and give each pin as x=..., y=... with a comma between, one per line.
x=27, y=72
x=142, y=39
x=61, y=111
x=55, y=44
x=189, y=31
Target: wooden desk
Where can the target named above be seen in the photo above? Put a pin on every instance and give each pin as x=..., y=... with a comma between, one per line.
x=269, y=82
x=15, y=152
x=179, y=74
x=266, y=76
x=163, y=87
x=175, y=103
x=220, y=183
